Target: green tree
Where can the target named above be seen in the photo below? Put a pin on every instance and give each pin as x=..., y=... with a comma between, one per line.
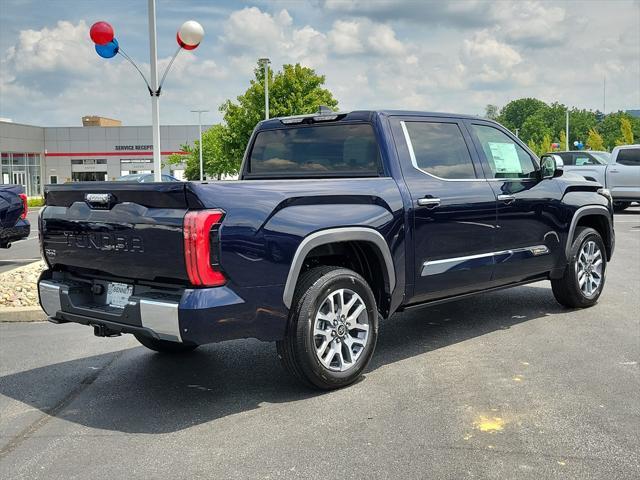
x=491, y=111
x=626, y=131
x=609, y=128
x=594, y=140
x=515, y=113
x=535, y=127
x=215, y=162
x=580, y=122
x=563, y=140
x=295, y=90
x=540, y=147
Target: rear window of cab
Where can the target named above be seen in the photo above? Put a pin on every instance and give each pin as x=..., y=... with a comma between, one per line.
x=343, y=150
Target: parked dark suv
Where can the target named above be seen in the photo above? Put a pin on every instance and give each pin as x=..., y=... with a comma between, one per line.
x=14, y=225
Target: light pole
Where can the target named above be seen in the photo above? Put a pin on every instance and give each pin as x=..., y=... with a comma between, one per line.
x=155, y=92
x=567, y=129
x=188, y=37
x=200, y=112
x=265, y=63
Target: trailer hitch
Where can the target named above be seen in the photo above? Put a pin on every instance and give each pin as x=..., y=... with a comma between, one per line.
x=102, y=331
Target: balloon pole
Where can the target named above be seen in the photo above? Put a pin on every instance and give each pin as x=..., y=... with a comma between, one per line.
x=188, y=37
x=155, y=93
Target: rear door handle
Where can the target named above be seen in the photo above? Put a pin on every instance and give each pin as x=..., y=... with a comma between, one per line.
x=429, y=202
x=508, y=199
x=613, y=171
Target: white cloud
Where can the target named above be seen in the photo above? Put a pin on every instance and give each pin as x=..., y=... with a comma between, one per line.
x=254, y=33
x=488, y=60
x=441, y=56
x=532, y=23
x=55, y=76
x=345, y=38
x=63, y=47
x=362, y=36
x=253, y=28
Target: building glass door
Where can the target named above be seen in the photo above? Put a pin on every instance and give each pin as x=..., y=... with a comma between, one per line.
x=20, y=178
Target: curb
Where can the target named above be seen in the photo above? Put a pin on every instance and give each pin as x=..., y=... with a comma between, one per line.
x=22, y=314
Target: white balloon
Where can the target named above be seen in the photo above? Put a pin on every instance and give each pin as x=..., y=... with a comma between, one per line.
x=191, y=33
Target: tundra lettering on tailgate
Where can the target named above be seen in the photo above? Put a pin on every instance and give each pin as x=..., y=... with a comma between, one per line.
x=105, y=242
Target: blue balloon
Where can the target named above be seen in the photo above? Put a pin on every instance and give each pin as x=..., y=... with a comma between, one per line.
x=108, y=50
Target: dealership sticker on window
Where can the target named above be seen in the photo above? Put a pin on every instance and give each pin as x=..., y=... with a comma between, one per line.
x=505, y=157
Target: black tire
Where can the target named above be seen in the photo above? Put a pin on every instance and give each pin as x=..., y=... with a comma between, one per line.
x=165, y=346
x=567, y=290
x=297, y=350
x=620, y=206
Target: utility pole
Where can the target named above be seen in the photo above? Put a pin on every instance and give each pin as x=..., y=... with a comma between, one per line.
x=604, y=95
x=265, y=63
x=200, y=112
x=155, y=94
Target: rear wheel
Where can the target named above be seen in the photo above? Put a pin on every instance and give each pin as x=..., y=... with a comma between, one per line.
x=165, y=346
x=332, y=330
x=584, y=277
x=620, y=206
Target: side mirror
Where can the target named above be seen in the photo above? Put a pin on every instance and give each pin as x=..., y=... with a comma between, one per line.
x=551, y=166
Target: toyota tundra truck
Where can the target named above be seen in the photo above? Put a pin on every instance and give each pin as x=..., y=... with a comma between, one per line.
x=338, y=221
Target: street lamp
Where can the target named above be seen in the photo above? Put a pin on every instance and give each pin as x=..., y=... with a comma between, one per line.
x=188, y=37
x=265, y=63
x=200, y=112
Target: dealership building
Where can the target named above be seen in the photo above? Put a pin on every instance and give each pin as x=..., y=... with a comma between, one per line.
x=100, y=150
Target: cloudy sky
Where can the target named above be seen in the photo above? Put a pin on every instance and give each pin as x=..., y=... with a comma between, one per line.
x=452, y=56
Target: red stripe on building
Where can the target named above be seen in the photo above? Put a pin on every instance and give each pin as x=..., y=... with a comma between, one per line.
x=122, y=153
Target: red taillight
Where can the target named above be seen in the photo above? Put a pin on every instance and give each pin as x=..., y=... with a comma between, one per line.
x=200, y=234
x=25, y=205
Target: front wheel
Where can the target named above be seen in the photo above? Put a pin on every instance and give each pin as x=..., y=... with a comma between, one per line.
x=165, y=346
x=332, y=330
x=584, y=276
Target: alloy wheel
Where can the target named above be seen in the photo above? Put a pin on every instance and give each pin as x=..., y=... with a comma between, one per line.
x=341, y=329
x=589, y=269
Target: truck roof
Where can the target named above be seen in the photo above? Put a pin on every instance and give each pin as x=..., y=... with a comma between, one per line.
x=362, y=115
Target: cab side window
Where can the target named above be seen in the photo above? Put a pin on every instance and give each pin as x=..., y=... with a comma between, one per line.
x=439, y=149
x=629, y=156
x=505, y=157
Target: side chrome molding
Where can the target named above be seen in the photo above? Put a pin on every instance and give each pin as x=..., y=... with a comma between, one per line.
x=333, y=235
x=436, y=267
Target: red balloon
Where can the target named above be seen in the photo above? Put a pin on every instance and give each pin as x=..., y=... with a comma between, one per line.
x=101, y=33
x=184, y=45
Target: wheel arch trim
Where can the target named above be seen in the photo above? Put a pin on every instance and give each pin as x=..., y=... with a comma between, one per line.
x=581, y=212
x=336, y=235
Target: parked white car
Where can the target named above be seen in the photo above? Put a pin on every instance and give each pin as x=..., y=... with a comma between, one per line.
x=618, y=171
x=623, y=176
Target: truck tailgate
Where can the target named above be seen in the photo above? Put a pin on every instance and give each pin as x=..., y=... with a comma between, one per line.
x=131, y=231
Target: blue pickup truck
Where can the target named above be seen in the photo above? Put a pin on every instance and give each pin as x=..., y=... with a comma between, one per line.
x=14, y=225
x=339, y=220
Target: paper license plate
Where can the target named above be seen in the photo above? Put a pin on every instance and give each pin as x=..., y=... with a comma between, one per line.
x=118, y=294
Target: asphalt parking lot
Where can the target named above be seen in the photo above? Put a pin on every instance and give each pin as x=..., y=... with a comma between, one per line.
x=503, y=385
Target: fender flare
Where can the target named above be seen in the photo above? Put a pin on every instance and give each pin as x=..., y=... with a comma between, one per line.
x=581, y=212
x=333, y=235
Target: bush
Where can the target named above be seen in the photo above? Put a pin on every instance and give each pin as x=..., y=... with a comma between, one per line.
x=35, y=202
